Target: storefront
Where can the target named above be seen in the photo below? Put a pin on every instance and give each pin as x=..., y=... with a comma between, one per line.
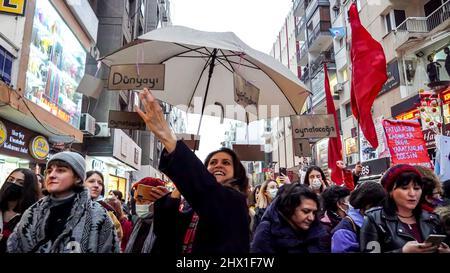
x=415, y=108
x=56, y=65
x=117, y=161
x=21, y=148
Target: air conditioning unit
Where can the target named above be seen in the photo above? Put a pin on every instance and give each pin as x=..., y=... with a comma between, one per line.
x=102, y=129
x=339, y=87
x=87, y=124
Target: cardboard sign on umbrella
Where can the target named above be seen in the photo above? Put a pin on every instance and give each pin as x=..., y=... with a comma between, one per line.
x=212, y=73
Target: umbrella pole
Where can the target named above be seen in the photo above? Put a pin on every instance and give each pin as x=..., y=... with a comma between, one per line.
x=211, y=70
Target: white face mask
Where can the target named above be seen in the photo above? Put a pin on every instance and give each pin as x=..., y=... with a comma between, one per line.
x=272, y=192
x=316, y=184
x=142, y=211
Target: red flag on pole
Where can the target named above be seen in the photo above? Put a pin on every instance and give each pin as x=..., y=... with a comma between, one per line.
x=334, y=143
x=368, y=75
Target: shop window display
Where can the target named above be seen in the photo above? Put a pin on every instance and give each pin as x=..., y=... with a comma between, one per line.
x=56, y=65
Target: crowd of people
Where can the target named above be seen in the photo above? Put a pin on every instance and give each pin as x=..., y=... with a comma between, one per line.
x=213, y=209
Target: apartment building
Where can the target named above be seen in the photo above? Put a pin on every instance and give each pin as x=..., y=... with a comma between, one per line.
x=410, y=32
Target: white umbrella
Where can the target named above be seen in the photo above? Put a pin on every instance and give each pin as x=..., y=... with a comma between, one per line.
x=203, y=64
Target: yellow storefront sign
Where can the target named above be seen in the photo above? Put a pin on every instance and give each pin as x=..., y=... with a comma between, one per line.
x=3, y=133
x=39, y=147
x=13, y=6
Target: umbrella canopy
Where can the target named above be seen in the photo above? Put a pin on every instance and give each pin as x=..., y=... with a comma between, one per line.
x=203, y=65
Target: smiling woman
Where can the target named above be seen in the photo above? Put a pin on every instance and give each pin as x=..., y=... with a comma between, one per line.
x=401, y=225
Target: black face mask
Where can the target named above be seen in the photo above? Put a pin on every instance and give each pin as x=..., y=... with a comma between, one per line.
x=12, y=192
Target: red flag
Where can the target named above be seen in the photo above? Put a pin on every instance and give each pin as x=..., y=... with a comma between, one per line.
x=368, y=75
x=334, y=143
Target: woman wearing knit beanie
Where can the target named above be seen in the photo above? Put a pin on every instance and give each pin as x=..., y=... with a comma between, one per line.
x=401, y=225
x=67, y=220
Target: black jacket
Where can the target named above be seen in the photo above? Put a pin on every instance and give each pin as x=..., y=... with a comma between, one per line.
x=275, y=235
x=223, y=226
x=383, y=232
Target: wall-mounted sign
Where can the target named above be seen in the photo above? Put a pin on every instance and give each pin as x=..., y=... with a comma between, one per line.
x=245, y=93
x=302, y=148
x=132, y=77
x=39, y=147
x=19, y=142
x=126, y=120
x=99, y=165
x=3, y=133
x=413, y=114
x=446, y=96
x=393, y=80
x=16, y=7
x=313, y=126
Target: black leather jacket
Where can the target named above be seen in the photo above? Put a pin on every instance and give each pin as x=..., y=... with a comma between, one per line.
x=382, y=232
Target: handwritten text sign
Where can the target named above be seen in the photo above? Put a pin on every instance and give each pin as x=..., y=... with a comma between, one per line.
x=245, y=93
x=313, y=126
x=136, y=76
x=406, y=143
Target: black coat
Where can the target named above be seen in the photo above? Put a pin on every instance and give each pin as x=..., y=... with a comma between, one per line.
x=223, y=226
x=275, y=235
x=383, y=232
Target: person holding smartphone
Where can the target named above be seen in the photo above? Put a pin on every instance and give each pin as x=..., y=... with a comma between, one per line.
x=400, y=224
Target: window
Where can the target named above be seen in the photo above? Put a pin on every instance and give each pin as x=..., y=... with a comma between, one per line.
x=348, y=109
x=393, y=19
x=6, y=60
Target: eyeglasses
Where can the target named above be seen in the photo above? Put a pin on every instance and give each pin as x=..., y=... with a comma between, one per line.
x=16, y=181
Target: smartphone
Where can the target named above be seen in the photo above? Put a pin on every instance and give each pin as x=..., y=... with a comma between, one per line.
x=435, y=239
x=143, y=191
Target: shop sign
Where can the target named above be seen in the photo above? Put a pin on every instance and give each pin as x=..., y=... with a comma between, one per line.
x=39, y=147
x=429, y=136
x=136, y=76
x=192, y=141
x=99, y=165
x=413, y=114
x=393, y=80
x=313, y=126
x=245, y=93
x=406, y=143
x=446, y=96
x=18, y=141
x=16, y=7
x=3, y=133
x=374, y=167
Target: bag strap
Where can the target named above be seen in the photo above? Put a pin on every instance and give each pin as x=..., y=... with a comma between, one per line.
x=355, y=229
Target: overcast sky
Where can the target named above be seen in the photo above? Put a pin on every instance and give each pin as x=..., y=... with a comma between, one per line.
x=256, y=22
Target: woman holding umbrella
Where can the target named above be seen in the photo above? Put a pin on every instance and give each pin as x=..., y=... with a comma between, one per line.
x=216, y=191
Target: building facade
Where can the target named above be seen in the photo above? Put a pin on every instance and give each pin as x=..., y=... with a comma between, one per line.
x=43, y=49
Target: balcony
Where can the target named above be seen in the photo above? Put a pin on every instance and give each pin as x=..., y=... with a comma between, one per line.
x=302, y=55
x=299, y=7
x=420, y=27
x=319, y=39
x=300, y=30
x=313, y=5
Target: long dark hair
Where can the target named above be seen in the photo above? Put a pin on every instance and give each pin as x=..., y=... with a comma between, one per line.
x=241, y=182
x=30, y=191
x=322, y=174
x=90, y=173
x=403, y=180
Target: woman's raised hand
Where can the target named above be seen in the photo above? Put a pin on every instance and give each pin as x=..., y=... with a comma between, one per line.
x=154, y=119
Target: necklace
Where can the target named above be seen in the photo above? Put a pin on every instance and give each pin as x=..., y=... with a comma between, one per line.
x=411, y=216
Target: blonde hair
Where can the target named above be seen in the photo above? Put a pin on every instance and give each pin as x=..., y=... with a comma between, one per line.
x=264, y=199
